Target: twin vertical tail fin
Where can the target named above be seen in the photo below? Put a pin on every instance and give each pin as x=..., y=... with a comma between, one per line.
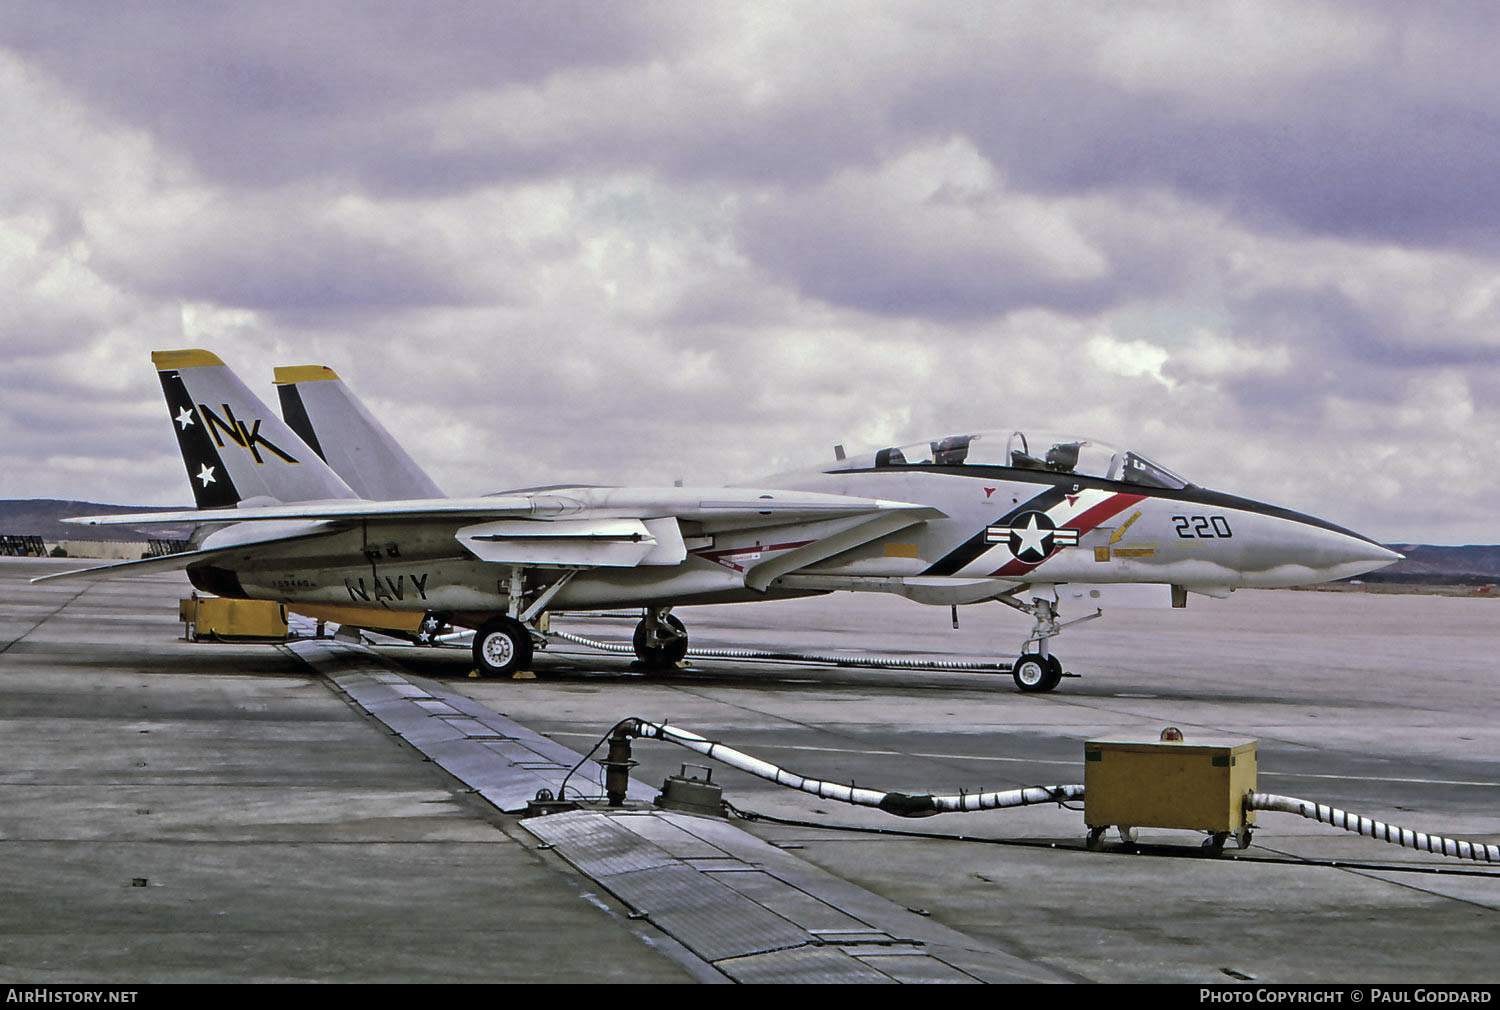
x=320, y=408
x=235, y=449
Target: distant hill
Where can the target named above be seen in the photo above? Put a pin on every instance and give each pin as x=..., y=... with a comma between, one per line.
x=42, y=517
x=1469, y=565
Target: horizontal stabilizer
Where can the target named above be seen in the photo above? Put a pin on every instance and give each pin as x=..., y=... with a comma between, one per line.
x=230, y=545
x=121, y=569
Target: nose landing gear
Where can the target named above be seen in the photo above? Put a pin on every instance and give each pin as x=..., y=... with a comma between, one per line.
x=1036, y=670
x=660, y=640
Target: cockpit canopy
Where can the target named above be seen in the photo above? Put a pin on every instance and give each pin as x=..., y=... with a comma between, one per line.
x=1023, y=451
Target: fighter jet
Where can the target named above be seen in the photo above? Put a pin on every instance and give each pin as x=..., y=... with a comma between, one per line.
x=1006, y=516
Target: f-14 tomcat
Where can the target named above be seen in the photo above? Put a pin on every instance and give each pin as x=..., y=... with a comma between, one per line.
x=969, y=518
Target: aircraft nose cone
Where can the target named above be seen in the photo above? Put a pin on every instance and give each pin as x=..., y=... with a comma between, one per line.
x=1355, y=555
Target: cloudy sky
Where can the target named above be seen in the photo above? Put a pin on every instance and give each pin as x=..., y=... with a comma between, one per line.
x=649, y=241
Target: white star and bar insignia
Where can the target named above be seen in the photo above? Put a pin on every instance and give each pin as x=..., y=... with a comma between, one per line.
x=1031, y=536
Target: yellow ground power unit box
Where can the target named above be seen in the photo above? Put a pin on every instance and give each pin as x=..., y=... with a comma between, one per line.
x=374, y=618
x=215, y=618
x=1194, y=784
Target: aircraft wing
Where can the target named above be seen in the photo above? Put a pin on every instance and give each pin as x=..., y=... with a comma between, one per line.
x=324, y=510
x=573, y=527
x=719, y=507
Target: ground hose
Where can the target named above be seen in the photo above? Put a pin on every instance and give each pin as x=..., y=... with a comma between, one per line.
x=900, y=804
x=1379, y=830
x=909, y=805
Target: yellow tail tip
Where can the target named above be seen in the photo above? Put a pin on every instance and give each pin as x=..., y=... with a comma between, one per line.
x=187, y=358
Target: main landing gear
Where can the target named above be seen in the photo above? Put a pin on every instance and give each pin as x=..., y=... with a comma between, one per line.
x=660, y=640
x=502, y=645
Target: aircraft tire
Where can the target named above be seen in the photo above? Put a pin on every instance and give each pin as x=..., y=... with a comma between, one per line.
x=1054, y=672
x=665, y=653
x=502, y=645
x=1035, y=673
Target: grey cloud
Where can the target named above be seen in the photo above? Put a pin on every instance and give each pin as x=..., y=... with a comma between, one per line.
x=932, y=237
x=288, y=260
x=1398, y=144
x=1363, y=153
x=296, y=279
x=1346, y=336
x=259, y=94
x=856, y=261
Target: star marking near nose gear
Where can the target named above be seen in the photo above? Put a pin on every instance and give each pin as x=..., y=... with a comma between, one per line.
x=1031, y=536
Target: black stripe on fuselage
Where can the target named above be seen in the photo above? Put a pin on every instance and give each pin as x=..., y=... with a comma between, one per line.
x=1191, y=494
x=979, y=543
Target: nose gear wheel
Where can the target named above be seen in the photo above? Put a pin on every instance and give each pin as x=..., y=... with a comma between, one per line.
x=660, y=640
x=1036, y=673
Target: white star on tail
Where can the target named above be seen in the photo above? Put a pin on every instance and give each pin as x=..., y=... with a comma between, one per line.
x=206, y=474
x=185, y=418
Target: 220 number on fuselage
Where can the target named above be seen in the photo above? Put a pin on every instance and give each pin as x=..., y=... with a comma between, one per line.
x=1202, y=527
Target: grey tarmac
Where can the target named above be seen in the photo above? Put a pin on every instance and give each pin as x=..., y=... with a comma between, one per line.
x=221, y=812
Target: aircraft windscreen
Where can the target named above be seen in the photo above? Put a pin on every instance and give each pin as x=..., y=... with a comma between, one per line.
x=1019, y=450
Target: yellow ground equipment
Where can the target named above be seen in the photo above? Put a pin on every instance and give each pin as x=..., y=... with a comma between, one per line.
x=216, y=619
x=1171, y=782
x=405, y=621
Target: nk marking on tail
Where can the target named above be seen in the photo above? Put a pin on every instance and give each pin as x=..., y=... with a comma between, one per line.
x=241, y=435
x=230, y=459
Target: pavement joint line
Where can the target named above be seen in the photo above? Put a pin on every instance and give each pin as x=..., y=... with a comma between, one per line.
x=735, y=933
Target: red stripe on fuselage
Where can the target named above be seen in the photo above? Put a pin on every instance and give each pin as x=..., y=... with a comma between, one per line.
x=1104, y=511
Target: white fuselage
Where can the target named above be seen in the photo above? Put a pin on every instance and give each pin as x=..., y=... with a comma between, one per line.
x=998, y=527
